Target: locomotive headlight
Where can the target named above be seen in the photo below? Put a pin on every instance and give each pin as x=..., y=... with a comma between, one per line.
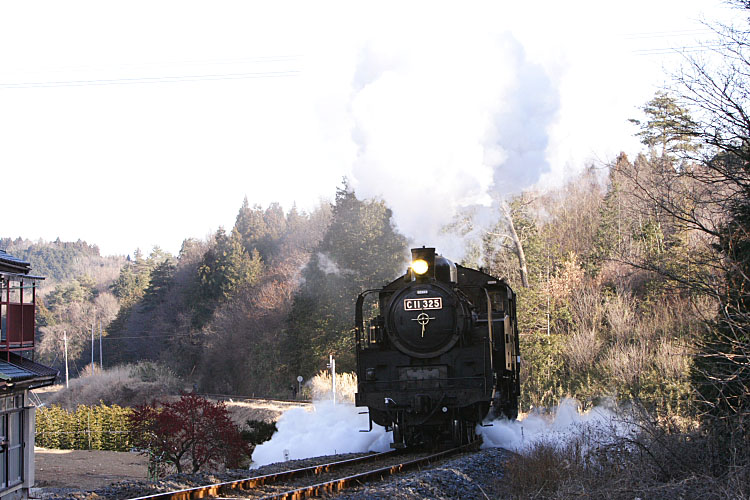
x=419, y=266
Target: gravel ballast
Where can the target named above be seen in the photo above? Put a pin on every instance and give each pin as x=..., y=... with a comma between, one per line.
x=468, y=476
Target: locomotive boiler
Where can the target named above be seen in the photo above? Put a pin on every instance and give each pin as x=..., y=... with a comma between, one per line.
x=440, y=352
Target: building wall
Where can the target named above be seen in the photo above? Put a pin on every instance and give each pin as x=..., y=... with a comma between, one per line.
x=28, y=420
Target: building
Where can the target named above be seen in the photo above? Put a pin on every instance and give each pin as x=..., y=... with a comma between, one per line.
x=19, y=374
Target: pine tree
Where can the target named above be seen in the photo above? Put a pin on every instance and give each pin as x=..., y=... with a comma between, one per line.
x=360, y=250
x=669, y=127
x=159, y=283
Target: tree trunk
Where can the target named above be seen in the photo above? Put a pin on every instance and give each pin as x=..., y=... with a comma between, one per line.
x=518, y=246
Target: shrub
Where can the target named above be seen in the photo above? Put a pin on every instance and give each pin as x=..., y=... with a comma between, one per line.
x=126, y=385
x=661, y=459
x=98, y=427
x=258, y=431
x=582, y=351
x=190, y=430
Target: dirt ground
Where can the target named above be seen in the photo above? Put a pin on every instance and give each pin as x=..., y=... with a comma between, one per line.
x=93, y=469
x=85, y=469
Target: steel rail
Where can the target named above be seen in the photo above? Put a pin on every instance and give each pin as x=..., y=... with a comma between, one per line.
x=337, y=485
x=253, y=482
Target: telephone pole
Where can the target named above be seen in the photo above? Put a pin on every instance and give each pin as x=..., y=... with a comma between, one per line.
x=65, y=342
x=101, y=362
x=93, y=366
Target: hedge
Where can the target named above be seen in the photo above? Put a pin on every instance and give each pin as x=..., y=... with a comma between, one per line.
x=98, y=427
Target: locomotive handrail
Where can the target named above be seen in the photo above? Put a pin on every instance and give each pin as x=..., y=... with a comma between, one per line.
x=359, y=322
x=490, y=326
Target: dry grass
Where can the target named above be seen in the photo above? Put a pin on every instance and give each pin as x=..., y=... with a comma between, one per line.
x=319, y=387
x=127, y=385
x=653, y=463
x=257, y=409
x=582, y=350
x=621, y=317
x=672, y=359
x=543, y=470
x=627, y=362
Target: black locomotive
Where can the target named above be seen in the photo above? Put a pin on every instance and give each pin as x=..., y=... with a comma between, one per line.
x=440, y=352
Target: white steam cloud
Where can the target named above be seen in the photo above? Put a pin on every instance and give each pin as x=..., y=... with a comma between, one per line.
x=443, y=123
x=329, y=429
x=563, y=425
x=326, y=429
x=328, y=266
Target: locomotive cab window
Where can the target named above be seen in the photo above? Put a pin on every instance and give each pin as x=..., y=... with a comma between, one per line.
x=498, y=302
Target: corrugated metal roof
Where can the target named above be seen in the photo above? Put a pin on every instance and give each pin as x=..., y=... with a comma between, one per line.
x=20, y=369
x=13, y=373
x=35, y=368
x=13, y=264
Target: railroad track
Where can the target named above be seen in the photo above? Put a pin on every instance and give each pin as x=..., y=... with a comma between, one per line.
x=316, y=480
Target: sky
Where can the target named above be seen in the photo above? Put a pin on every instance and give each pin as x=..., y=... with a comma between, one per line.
x=130, y=124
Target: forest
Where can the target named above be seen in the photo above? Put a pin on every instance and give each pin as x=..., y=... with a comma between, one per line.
x=623, y=272
x=620, y=274
x=632, y=276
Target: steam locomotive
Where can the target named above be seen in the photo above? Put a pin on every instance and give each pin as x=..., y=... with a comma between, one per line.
x=440, y=353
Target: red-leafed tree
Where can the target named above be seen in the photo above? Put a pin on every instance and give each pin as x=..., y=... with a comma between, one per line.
x=191, y=431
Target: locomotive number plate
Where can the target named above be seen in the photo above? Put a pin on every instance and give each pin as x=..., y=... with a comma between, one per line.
x=423, y=303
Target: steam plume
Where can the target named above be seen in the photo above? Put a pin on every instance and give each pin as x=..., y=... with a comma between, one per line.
x=443, y=124
x=327, y=429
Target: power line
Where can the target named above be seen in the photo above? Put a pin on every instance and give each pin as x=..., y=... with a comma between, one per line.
x=677, y=50
x=172, y=336
x=666, y=34
x=263, y=60
x=152, y=80
x=698, y=45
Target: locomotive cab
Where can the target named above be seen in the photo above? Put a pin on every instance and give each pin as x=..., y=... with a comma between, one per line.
x=441, y=350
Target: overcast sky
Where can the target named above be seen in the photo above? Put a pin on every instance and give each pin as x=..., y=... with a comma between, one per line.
x=131, y=124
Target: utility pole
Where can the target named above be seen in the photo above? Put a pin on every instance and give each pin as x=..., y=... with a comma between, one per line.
x=101, y=362
x=332, y=366
x=93, y=366
x=65, y=342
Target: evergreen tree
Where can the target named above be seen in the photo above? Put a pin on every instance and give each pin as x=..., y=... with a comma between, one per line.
x=360, y=250
x=609, y=241
x=226, y=267
x=160, y=282
x=669, y=127
x=253, y=230
x=243, y=223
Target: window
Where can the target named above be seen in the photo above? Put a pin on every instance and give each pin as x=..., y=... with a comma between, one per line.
x=3, y=453
x=17, y=311
x=11, y=441
x=498, y=302
x=3, y=321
